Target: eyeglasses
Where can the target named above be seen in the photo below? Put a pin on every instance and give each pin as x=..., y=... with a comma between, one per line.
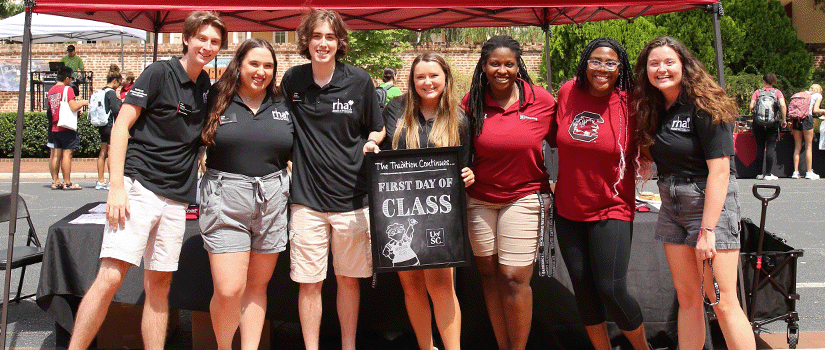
x=608, y=66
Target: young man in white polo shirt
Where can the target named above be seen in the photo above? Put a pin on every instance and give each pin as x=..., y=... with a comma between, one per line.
x=337, y=120
x=153, y=178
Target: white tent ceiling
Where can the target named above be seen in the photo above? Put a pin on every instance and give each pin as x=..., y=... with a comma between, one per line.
x=57, y=29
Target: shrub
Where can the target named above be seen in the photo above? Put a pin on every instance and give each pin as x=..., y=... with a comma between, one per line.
x=35, y=136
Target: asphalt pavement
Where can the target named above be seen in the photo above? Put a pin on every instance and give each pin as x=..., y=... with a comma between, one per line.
x=796, y=215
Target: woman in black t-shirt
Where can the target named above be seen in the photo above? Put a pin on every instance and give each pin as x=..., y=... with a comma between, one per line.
x=429, y=115
x=685, y=122
x=248, y=134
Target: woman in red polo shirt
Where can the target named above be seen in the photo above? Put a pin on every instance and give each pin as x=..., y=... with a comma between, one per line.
x=510, y=118
x=595, y=196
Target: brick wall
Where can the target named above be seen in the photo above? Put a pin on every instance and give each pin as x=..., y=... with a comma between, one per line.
x=98, y=57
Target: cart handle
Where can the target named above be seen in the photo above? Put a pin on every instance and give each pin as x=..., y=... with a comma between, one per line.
x=769, y=198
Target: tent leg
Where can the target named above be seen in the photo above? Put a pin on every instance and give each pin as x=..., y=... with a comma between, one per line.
x=15, y=180
x=155, y=51
x=548, y=32
x=716, y=12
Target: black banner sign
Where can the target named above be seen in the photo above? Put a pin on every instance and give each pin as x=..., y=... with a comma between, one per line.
x=418, y=210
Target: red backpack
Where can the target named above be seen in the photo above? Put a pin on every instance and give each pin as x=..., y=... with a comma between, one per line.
x=799, y=106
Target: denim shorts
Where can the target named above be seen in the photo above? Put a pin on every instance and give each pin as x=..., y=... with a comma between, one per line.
x=240, y=213
x=680, y=216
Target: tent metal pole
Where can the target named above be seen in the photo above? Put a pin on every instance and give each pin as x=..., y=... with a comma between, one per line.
x=547, y=34
x=155, y=51
x=716, y=12
x=121, y=50
x=15, y=180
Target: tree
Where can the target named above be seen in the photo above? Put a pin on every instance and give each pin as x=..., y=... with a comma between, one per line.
x=374, y=50
x=10, y=8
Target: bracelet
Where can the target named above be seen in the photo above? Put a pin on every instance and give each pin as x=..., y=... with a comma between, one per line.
x=703, y=229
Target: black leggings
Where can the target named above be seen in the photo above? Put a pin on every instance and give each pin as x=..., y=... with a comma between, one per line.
x=765, y=138
x=597, y=254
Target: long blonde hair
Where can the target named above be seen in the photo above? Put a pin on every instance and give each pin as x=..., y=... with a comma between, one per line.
x=448, y=115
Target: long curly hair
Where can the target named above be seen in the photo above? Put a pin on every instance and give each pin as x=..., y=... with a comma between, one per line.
x=448, y=117
x=697, y=85
x=480, y=85
x=227, y=86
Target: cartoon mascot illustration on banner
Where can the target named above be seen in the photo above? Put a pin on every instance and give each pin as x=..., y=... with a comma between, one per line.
x=398, y=248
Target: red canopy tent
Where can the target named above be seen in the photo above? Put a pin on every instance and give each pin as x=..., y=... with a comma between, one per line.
x=161, y=16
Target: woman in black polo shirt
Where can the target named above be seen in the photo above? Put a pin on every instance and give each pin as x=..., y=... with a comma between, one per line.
x=685, y=121
x=430, y=115
x=244, y=190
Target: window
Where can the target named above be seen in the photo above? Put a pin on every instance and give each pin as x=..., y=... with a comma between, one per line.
x=279, y=37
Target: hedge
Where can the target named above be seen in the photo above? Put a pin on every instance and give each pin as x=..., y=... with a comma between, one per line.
x=35, y=136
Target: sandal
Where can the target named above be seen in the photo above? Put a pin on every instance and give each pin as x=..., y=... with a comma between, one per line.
x=57, y=186
x=72, y=186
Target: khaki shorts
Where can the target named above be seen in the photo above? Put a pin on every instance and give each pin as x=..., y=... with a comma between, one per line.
x=313, y=234
x=510, y=230
x=153, y=230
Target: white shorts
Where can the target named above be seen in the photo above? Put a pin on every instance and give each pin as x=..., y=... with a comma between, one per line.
x=153, y=230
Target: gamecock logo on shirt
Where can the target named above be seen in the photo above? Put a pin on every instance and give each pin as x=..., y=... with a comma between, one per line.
x=585, y=127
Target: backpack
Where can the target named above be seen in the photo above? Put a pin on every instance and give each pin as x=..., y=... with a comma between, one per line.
x=381, y=92
x=800, y=103
x=98, y=114
x=766, y=108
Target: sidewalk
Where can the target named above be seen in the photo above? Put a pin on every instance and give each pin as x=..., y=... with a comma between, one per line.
x=38, y=169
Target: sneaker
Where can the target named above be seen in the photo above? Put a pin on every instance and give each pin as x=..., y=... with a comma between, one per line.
x=811, y=176
x=795, y=175
x=101, y=186
x=760, y=177
x=771, y=177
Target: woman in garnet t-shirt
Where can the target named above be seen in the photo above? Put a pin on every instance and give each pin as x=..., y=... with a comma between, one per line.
x=595, y=195
x=510, y=118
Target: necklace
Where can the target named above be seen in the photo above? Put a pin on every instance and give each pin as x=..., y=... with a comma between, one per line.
x=249, y=98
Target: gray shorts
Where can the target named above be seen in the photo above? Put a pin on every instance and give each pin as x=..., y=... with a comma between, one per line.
x=240, y=213
x=680, y=216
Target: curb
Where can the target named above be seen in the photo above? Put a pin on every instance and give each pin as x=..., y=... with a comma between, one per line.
x=47, y=176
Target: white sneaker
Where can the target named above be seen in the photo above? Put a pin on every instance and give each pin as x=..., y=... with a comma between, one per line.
x=771, y=177
x=760, y=177
x=811, y=176
x=100, y=186
x=795, y=175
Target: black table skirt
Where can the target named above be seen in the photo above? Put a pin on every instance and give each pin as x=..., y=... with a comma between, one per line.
x=71, y=263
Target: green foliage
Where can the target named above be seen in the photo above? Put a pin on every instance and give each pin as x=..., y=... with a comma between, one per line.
x=475, y=35
x=35, y=136
x=741, y=87
x=10, y=8
x=375, y=50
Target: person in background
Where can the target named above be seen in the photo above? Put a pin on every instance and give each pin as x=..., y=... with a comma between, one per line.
x=767, y=135
x=53, y=170
x=685, y=124
x=72, y=60
x=152, y=173
x=112, y=104
x=337, y=120
x=65, y=140
x=429, y=115
x=244, y=192
x=128, y=81
x=803, y=130
x=510, y=118
x=595, y=196
x=393, y=91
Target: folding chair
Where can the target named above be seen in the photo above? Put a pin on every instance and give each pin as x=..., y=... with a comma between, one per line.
x=23, y=256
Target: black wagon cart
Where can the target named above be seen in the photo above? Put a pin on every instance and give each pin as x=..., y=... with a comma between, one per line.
x=767, y=278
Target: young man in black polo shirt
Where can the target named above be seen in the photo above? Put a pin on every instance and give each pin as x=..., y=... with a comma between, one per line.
x=337, y=120
x=153, y=177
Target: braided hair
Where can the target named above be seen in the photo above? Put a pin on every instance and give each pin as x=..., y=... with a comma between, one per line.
x=625, y=80
x=480, y=85
x=624, y=83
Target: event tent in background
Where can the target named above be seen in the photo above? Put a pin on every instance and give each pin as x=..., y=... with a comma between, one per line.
x=161, y=16
x=47, y=28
